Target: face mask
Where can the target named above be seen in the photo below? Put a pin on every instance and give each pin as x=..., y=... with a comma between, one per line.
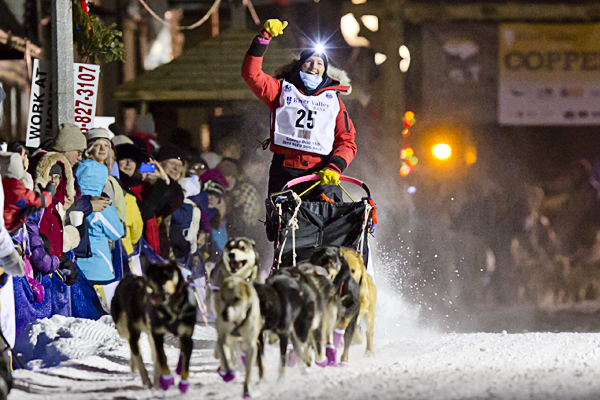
x=310, y=81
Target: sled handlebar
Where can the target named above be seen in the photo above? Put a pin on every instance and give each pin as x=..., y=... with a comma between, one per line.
x=315, y=177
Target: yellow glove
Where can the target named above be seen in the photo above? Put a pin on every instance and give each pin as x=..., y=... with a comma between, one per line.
x=329, y=177
x=275, y=27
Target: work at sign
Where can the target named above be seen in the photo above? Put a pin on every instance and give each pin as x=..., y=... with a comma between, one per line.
x=553, y=61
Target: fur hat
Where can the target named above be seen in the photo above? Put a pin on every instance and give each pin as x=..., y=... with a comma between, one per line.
x=337, y=75
x=11, y=165
x=42, y=172
x=69, y=138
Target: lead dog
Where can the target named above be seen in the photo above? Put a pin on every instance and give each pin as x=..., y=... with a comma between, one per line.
x=238, y=322
x=157, y=304
x=240, y=258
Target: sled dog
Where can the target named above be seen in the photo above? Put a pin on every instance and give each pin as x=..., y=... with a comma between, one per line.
x=156, y=304
x=332, y=259
x=368, y=297
x=286, y=307
x=240, y=258
x=238, y=323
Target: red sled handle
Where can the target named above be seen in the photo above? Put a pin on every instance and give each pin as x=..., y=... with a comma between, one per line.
x=315, y=177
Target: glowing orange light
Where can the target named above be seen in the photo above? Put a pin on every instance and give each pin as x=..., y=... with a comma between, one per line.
x=409, y=115
x=471, y=156
x=405, y=132
x=409, y=123
x=405, y=170
x=409, y=152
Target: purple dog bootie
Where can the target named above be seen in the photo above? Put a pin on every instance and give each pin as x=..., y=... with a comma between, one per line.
x=331, y=354
x=247, y=395
x=227, y=376
x=338, y=334
x=179, y=365
x=323, y=363
x=166, y=381
x=184, y=385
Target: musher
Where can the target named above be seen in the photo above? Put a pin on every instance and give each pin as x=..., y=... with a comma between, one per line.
x=311, y=131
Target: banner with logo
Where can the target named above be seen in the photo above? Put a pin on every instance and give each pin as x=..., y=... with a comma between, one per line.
x=549, y=74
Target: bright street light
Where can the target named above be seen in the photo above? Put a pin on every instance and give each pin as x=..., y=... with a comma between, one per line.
x=442, y=151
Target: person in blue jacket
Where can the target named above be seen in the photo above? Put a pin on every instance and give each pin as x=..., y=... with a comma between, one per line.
x=103, y=226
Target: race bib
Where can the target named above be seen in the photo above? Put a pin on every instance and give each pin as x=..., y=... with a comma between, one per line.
x=306, y=123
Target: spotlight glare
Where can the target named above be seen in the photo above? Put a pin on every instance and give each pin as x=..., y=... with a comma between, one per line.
x=319, y=48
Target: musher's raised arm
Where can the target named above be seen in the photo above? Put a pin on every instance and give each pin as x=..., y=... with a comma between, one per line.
x=311, y=130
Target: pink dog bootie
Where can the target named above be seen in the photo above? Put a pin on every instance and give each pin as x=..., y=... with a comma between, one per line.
x=227, y=376
x=166, y=381
x=291, y=358
x=331, y=354
x=323, y=363
x=184, y=385
x=338, y=334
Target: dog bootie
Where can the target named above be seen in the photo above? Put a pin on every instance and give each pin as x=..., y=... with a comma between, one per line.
x=166, y=381
x=331, y=355
x=291, y=358
x=247, y=395
x=227, y=376
x=323, y=363
x=179, y=365
x=343, y=364
x=338, y=334
x=184, y=386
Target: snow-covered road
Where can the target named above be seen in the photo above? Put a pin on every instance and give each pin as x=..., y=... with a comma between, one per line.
x=80, y=359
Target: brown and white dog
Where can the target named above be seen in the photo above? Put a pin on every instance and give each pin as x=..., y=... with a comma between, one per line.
x=368, y=297
x=238, y=323
x=156, y=304
x=240, y=259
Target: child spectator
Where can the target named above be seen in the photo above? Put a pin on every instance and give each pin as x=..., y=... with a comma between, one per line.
x=20, y=202
x=103, y=226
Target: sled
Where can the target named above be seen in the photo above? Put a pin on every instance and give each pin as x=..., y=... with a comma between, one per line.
x=297, y=226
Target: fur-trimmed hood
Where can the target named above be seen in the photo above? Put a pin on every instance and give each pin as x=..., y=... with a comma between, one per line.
x=42, y=171
x=337, y=75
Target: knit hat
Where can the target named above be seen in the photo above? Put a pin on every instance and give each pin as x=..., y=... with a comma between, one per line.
x=56, y=169
x=212, y=187
x=97, y=133
x=120, y=139
x=69, y=138
x=308, y=53
x=132, y=152
x=11, y=165
x=211, y=159
x=170, y=151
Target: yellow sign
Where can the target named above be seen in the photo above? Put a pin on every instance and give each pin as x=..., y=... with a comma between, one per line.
x=549, y=74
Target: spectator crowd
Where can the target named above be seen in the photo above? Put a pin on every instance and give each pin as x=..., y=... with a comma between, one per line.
x=81, y=209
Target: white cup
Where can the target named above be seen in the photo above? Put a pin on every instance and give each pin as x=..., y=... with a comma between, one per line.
x=76, y=218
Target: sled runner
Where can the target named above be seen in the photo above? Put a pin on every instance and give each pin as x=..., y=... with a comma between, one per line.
x=298, y=226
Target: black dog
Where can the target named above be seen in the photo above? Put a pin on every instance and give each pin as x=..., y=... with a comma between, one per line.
x=157, y=304
x=287, y=307
x=332, y=259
